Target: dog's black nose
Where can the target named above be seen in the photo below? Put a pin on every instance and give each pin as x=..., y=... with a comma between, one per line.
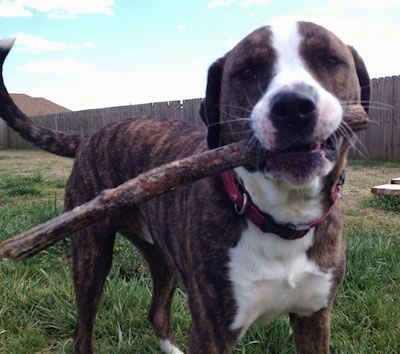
x=294, y=109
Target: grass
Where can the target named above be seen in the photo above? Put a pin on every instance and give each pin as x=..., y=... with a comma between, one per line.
x=384, y=202
x=37, y=311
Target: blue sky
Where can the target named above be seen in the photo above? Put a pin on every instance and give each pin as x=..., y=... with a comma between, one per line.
x=85, y=54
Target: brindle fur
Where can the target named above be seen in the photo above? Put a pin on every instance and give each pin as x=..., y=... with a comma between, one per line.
x=194, y=226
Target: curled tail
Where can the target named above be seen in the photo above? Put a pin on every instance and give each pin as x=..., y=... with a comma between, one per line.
x=58, y=143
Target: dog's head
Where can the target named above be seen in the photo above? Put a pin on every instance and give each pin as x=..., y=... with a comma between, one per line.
x=289, y=90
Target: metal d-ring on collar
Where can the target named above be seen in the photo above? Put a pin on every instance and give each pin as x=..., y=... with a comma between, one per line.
x=242, y=210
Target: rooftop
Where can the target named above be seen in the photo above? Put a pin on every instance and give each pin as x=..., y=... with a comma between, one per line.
x=36, y=106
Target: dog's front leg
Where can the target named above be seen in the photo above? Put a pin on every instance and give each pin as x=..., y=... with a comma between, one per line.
x=210, y=331
x=208, y=336
x=312, y=334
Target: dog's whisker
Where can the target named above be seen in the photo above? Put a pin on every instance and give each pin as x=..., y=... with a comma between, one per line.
x=380, y=106
x=253, y=144
x=360, y=148
x=370, y=104
x=346, y=132
x=249, y=102
x=260, y=89
x=239, y=108
x=238, y=129
x=227, y=122
x=243, y=132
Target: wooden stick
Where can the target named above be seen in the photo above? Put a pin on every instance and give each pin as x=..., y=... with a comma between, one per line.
x=138, y=190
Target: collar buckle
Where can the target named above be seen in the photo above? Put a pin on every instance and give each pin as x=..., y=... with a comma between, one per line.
x=287, y=232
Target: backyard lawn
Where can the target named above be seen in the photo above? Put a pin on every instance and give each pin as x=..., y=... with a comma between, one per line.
x=37, y=312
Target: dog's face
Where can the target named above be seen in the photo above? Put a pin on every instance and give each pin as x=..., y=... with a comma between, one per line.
x=286, y=89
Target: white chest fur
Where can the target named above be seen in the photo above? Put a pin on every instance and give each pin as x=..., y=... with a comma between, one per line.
x=272, y=276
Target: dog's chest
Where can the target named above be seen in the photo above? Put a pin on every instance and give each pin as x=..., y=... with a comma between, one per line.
x=271, y=276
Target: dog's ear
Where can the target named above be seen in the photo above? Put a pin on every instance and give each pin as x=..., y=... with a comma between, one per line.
x=209, y=107
x=363, y=79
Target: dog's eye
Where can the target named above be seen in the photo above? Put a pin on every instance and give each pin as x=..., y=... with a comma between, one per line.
x=247, y=74
x=332, y=62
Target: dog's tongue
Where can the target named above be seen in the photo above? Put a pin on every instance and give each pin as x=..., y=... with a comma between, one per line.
x=297, y=167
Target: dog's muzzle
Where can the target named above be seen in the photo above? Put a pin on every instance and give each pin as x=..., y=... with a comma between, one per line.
x=299, y=152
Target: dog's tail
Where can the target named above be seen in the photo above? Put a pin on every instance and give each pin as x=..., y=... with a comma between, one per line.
x=59, y=143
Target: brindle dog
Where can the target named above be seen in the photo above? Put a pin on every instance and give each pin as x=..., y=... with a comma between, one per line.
x=285, y=89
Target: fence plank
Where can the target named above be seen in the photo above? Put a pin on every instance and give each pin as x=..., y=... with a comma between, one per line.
x=191, y=111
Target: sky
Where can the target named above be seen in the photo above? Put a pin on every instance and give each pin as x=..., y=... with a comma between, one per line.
x=85, y=54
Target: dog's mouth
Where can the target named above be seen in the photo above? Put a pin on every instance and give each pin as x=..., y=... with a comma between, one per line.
x=301, y=163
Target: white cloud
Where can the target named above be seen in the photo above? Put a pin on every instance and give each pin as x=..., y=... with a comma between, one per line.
x=10, y=8
x=244, y=4
x=99, y=88
x=34, y=44
x=56, y=9
x=89, y=44
x=63, y=67
x=248, y=3
x=219, y=3
x=230, y=43
x=181, y=28
x=363, y=4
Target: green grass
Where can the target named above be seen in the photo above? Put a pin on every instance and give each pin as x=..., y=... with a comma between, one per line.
x=37, y=311
x=384, y=202
x=367, y=311
x=21, y=185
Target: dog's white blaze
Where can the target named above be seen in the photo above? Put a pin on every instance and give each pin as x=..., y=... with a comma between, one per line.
x=168, y=348
x=271, y=276
x=290, y=70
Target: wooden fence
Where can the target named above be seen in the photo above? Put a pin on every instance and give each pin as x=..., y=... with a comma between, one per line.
x=88, y=121
x=381, y=141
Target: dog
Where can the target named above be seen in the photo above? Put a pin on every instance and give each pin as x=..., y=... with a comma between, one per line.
x=251, y=244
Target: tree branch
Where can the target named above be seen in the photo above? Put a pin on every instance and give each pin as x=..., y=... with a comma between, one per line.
x=135, y=191
x=142, y=188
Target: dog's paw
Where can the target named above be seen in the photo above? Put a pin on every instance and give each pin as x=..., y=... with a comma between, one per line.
x=169, y=348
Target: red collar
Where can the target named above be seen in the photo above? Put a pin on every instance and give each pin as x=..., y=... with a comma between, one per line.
x=245, y=206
